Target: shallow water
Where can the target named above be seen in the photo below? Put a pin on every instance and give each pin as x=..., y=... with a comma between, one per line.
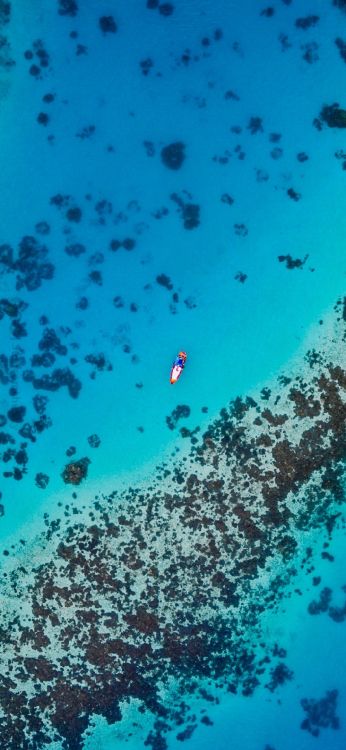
x=232, y=249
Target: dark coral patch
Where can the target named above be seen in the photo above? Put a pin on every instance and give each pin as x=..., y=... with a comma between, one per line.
x=279, y=675
x=76, y=471
x=67, y=8
x=341, y=4
x=164, y=280
x=302, y=156
x=341, y=45
x=268, y=12
x=74, y=214
x=57, y=379
x=292, y=262
x=94, y=441
x=293, y=194
x=333, y=116
x=180, y=412
x=108, y=25
x=306, y=22
x=190, y=212
x=41, y=480
x=166, y=9
x=241, y=230
x=321, y=714
x=42, y=227
x=226, y=198
x=75, y=249
x=255, y=125
x=310, y=51
x=173, y=155
x=17, y=414
x=129, y=243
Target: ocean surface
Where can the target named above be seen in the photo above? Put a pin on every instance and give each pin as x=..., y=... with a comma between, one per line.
x=172, y=558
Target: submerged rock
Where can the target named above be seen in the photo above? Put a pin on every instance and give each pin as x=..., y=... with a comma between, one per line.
x=107, y=24
x=173, y=155
x=76, y=471
x=94, y=441
x=321, y=714
x=41, y=480
x=333, y=116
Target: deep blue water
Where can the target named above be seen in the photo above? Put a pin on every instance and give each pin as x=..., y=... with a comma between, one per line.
x=232, y=249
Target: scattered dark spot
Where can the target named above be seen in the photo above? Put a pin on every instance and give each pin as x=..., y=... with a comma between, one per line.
x=276, y=153
x=146, y=66
x=94, y=441
x=43, y=118
x=42, y=227
x=35, y=71
x=189, y=211
x=293, y=194
x=310, y=52
x=115, y=245
x=333, y=116
x=180, y=412
x=81, y=49
x=16, y=414
x=99, y=361
x=108, y=25
x=292, y=262
x=74, y=214
x=164, y=280
x=173, y=155
x=279, y=675
x=268, y=12
x=96, y=277
x=118, y=301
x=226, y=198
x=67, y=8
x=76, y=471
x=190, y=303
x=82, y=304
x=57, y=379
x=231, y=95
x=129, y=243
x=241, y=230
x=321, y=714
x=341, y=45
x=149, y=148
x=306, y=22
x=255, y=125
x=41, y=480
x=166, y=9
x=302, y=156
x=88, y=130
x=240, y=277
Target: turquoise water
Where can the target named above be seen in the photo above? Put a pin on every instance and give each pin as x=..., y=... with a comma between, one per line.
x=82, y=142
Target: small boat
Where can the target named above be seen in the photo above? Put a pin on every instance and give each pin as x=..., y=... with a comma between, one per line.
x=177, y=367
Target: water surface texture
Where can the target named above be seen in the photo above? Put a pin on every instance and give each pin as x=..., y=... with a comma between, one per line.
x=172, y=558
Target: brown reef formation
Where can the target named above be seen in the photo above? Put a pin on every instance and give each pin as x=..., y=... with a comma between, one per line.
x=168, y=581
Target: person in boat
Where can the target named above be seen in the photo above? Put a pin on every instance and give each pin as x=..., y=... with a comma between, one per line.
x=180, y=360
